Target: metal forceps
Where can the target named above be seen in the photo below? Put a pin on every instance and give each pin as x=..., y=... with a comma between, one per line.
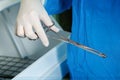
x=59, y=36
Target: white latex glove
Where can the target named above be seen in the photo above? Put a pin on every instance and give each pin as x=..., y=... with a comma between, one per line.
x=29, y=19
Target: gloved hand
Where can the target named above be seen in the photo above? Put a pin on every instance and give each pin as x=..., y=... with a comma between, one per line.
x=29, y=19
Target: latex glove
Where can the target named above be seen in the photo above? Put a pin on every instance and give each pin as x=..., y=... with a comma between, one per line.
x=29, y=19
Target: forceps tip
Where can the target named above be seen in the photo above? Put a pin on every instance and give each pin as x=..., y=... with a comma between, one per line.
x=103, y=55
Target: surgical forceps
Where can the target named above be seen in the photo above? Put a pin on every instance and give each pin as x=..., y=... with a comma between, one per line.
x=59, y=36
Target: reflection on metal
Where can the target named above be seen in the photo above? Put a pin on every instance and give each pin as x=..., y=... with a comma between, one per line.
x=61, y=35
x=11, y=66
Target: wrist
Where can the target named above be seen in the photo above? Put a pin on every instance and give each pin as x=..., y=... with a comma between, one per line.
x=32, y=1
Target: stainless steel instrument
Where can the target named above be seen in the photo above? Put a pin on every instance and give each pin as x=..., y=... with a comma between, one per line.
x=60, y=36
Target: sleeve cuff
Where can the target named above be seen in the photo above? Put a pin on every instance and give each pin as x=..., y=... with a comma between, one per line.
x=43, y=2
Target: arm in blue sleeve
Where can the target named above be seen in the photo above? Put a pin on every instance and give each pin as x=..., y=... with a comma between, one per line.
x=57, y=6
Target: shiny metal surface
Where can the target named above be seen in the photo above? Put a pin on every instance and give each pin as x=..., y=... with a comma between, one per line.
x=60, y=36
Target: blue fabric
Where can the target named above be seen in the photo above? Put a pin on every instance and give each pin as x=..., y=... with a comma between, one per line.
x=57, y=6
x=96, y=23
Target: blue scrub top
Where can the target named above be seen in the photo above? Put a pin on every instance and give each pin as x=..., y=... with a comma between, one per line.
x=96, y=23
